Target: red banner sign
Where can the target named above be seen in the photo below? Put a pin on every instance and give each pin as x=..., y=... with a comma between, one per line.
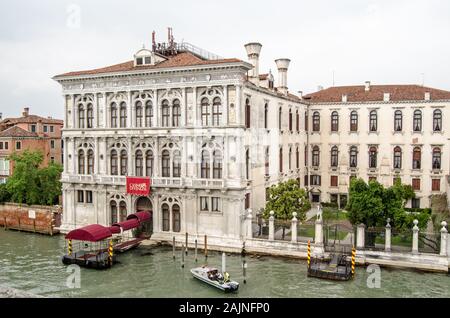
x=138, y=186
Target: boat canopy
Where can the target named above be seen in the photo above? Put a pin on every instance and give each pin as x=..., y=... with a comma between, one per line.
x=141, y=216
x=127, y=225
x=90, y=233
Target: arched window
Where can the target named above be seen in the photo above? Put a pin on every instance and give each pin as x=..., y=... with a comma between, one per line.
x=373, y=157
x=316, y=121
x=217, y=164
x=353, y=157
x=290, y=159
x=373, y=121
x=247, y=164
x=354, y=121
x=417, y=158
x=334, y=121
x=437, y=120
x=205, y=165
x=280, y=118
x=247, y=113
x=81, y=117
x=123, y=163
x=176, y=218
x=165, y=164
x=139, y=163
x=297, y=121
x=290, y=120
x=316, y=156
x=266, y=114
x=123, y=115
x=165, y=217
x=114, y=163
x=176, y=164
x=113, y=207
x=334, y=156
x=398, y=120
x=149, y=114
x=437, y=158
x=113, y=115
x=90, y=116
x=297, y=158
x=165, y=113
x=280, y=157
x=149, y=163
x=176, y=113
x=122, y=211
x=205, y=111
x=139, y=114
x=417, y=121
x=81, y=162
x=90, y=162
x=217, y=112
x=397, y=158
x=306, y=121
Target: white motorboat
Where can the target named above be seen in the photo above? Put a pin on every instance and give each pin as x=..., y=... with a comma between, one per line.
x=213, y=277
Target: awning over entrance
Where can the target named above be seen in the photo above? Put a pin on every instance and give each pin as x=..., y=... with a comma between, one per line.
x=90, y=233
x=127, y=225
x=142, y=216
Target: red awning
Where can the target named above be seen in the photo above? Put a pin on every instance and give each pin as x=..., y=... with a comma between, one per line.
x=115, y=229
x=127, y=225
x=142, y=216
x=90, y=233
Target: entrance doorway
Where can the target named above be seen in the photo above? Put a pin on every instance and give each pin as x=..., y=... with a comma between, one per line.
x=144, y=204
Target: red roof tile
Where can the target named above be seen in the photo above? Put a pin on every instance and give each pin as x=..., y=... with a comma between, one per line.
x=179, y=60
x=376, y=93
x=16, y=131
x=31, y=119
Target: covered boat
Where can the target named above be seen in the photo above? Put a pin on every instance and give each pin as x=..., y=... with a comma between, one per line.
x=213, y=277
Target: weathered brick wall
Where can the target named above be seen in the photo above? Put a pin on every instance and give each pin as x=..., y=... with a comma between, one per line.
x=16, y=216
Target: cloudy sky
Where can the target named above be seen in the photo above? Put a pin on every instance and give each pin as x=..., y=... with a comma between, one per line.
x=386, y=42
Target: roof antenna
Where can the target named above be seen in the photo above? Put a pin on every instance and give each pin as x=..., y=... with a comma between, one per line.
x=154, y=41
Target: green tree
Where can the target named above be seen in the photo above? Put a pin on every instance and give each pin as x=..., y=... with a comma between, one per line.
x=4, y=194
x=31, y=184
x=286, y=198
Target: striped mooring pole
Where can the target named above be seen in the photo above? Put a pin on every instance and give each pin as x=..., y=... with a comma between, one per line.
x=110, y=252
x=309, y=253
x=353, y=260
x=70, y=247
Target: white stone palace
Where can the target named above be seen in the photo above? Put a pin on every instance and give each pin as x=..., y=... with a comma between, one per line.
x=213, y=134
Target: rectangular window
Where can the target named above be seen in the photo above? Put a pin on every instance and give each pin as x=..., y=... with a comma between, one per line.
x=215, y=204
x=6, y=145
x=334, y=181
x=415, y=203
x=1, y=145
x=416, y=184
x=52, y=144
x=435, y=184
x=18, y=145
x=204, y=206
x=45, y=128
x=80, y=196
x=88, y=196
x=306, y=181
x=52, y=129
x=33, y=128
x=316, y=180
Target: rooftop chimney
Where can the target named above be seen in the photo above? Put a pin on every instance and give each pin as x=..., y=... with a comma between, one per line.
x=253, y=51
x=344, y=98
x=282, y=65
x=386, y=97
x=367, y=87
x=26, y=111
x=427, y=96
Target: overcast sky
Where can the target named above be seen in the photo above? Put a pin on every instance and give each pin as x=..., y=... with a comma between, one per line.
x=386, y=42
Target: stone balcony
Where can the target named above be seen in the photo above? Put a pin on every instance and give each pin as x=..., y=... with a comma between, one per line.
x=159, y=182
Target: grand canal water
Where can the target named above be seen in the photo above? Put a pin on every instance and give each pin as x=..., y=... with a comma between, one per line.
x=33, y=263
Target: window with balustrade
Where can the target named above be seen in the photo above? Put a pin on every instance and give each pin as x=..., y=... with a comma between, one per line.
x=417, y=121
x=123, y=163
x=353, y=157
x=217, y=112
x=373, y=121
x=123, y=115
x=217, y=164
x=354, y=121
x=373, y=154
x=176, y=113
x=334, y=156
x=114, y=163
x=334, y=121
x=437, y=120
x=397, y=158
x=139, y=163
x=205, y=111
x=417, y=158
x=398, y=120
x=149, y=163
x=165, y=164
x=176, y=164
x=139, y=114
x=165, y=113
x=149, y=114
x=205, y=162
x=315, y=156
x=437, y=154
x=90, y=116
x=316, y=121
x=113, y=110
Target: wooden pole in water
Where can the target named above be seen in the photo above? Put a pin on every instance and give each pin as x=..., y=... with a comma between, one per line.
x=173, y=247
x=110, y=252
x=195, y=250
x=34, y=226
x=182, y=256
x=70, y=247
x=224, y=268
x=186, y=243
x=206, y=246
x=308, y=255
x=244, y=270
x=353, y=261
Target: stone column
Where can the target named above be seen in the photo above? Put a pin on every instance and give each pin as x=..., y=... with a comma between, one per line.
x=415, y=243
x=129, y=112
x=66, y=155
x=318, y=239
x=444, y=236
x=387, y=244
x=360, y=235
x=294, y=228
x=225, y=110
x=105, y=111
x=195, y=107
x=238, y=104
x=155, y=109
x=74, y=156
x=73, y=112
x=130, y=157
x=249, y=224
x=96, y=155
x=271, y=226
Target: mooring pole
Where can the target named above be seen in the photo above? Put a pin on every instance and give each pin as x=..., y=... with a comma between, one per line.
x=353, y=261
x=195, y=250
x=244, y=270
x=186, y=243
x=224, y=267
x=206, y=246
x=182, y=256
x=308, y=255
x=173, y=247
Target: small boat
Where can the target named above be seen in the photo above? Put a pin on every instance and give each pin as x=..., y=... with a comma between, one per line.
x=213, y=277
x=337, y=267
